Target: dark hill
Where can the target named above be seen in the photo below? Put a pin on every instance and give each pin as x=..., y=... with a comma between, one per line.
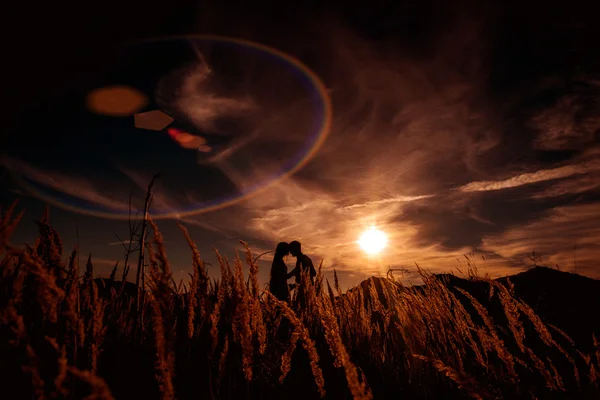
x=568, y=301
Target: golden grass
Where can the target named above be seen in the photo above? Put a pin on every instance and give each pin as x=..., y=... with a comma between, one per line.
x=419, y=341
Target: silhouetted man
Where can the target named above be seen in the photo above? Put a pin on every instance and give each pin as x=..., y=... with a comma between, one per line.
x=303, y=263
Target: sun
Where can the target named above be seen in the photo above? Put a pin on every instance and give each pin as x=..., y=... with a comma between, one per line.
x=372, y=240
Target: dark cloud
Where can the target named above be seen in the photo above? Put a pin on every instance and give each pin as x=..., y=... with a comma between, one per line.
x=572, y=121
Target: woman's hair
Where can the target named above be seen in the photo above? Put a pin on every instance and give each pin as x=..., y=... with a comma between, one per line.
x=282, y=249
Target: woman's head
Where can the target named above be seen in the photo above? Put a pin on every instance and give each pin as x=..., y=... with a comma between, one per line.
x=282, y=250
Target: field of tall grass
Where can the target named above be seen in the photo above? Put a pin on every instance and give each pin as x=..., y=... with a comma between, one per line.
x=69, y=334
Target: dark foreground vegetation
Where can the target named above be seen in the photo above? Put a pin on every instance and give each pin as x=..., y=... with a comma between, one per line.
x=66, y=334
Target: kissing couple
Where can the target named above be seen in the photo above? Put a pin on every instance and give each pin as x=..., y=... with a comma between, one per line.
x=278, y=285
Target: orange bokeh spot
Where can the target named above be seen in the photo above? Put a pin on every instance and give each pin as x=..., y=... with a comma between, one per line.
x=116, y=101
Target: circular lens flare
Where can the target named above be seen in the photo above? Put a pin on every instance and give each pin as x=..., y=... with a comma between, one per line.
x=248, y=160
x=372, y=240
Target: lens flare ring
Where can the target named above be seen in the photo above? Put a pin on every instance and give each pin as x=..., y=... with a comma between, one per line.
x=312, y=146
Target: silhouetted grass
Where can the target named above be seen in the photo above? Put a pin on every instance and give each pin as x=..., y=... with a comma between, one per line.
x=70, y=335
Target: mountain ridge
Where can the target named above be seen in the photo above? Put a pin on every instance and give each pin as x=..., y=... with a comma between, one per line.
x=562, y=299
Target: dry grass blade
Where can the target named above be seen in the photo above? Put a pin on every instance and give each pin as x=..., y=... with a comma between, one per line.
x=464, y=382
x=99, y=389
x=299, y=333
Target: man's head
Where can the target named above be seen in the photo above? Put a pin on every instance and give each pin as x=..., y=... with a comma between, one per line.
x=295, y=248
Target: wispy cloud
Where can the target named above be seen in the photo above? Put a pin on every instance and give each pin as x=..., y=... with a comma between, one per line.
x=398, y=199
x=78, y=187
x=197, y=221
x=533, y=177
x=201, y=106
x=577, y=185
x=577, y=228
x=124, y=242
x=572, y=121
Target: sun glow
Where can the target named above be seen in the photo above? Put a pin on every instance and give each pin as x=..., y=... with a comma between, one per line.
x=372, y=240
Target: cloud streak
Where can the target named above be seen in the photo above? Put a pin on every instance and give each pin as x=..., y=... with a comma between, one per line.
x=533, y=177
x=77, y=187
x=398, y=199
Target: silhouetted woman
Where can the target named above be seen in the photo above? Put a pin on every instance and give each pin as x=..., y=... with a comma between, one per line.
x=278, y=285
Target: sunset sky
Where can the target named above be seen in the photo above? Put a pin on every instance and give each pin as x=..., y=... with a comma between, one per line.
x=453, y=129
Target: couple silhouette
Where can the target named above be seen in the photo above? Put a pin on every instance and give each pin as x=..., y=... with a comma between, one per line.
x=278, y=284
